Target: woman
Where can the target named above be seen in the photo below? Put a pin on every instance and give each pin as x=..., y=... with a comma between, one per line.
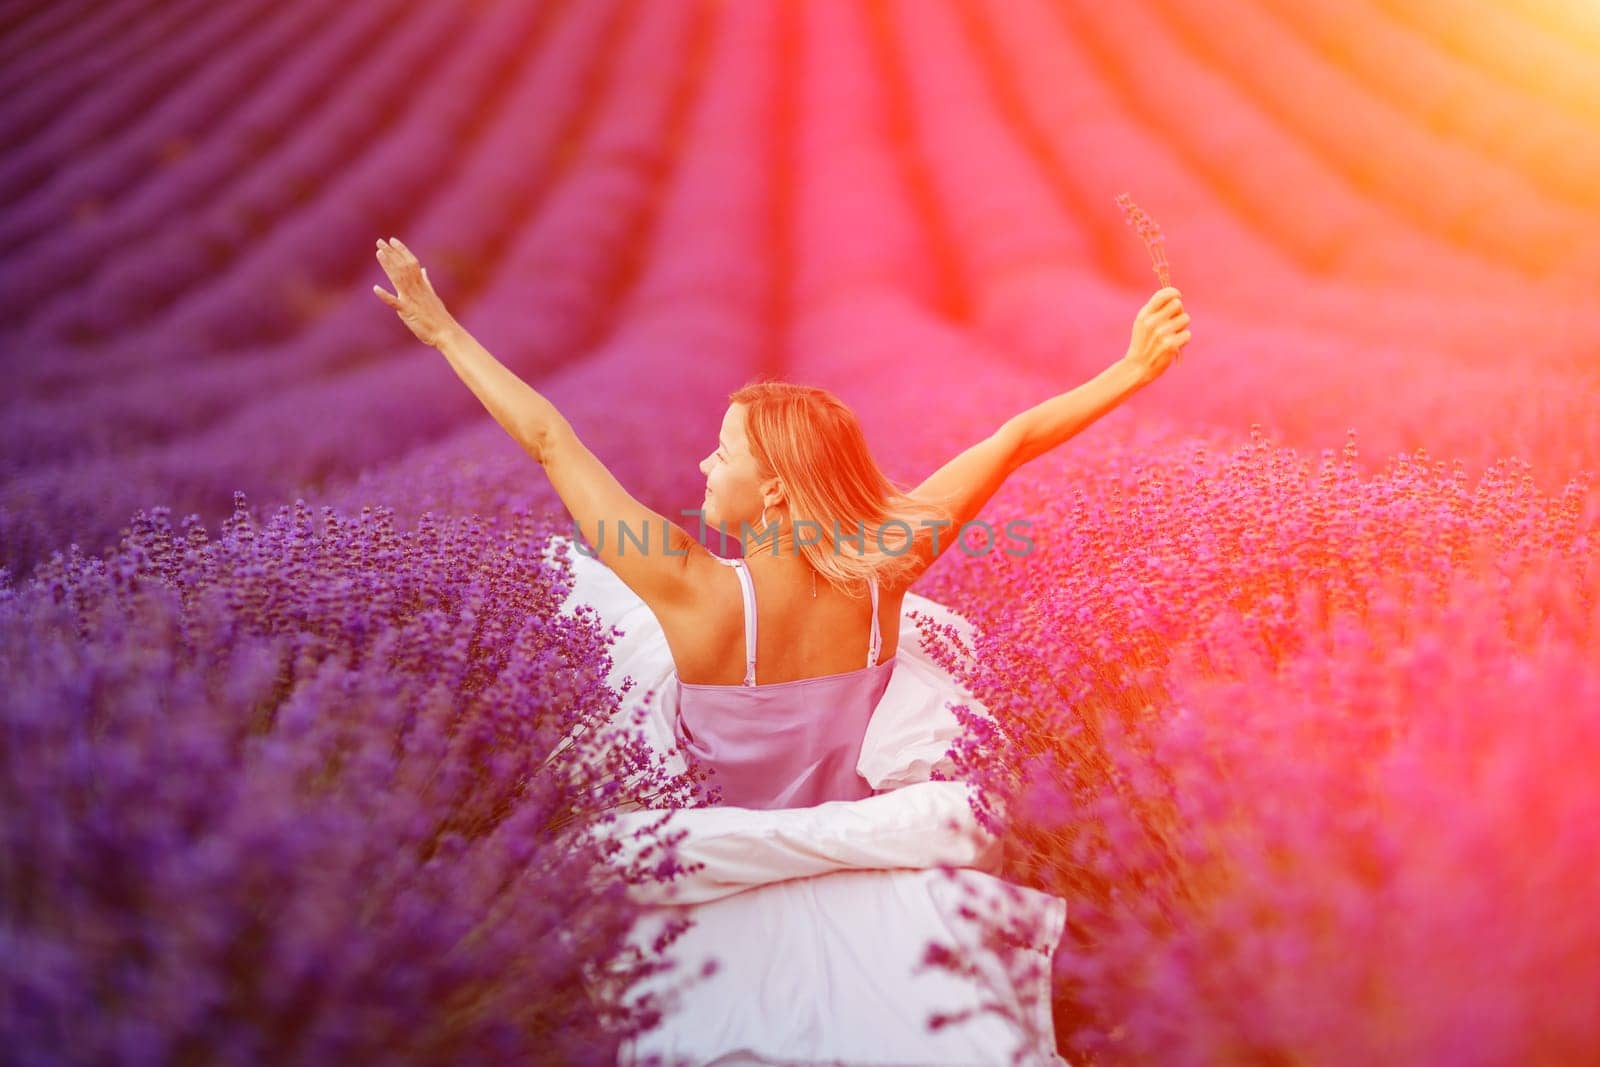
x=792, y=478
x=859, y=862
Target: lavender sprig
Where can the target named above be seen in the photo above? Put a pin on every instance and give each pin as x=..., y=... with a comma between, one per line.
x=1150, y=234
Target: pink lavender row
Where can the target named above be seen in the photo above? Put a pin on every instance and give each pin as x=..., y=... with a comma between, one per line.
x=1293, y=198
x=1066, y=328
x=854, y=224
x=127, y=86
x=867, y=297
x=1309, y=388
x=1471, y=199
x=1549, y=146
x=1265, y=720
x=62, y=30
x=47, y=76
x=715, y=220
x=1092, y=144
x=487, y=198
x=1557, y=41
x=1093, y=140
x=133, y=198
x=1054, y=307
x=997, y=207
x=1304, y=384
x=375, y=757
x=1027, y=259
x=869, y=293
x=1010, y=287
x=31, y=34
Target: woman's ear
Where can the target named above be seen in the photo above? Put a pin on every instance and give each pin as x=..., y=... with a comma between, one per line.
x=774, y=495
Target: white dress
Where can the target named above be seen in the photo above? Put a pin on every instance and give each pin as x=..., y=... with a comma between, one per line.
x=818, y=919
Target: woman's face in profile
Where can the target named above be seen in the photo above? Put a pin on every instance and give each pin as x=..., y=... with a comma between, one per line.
x=732, y=489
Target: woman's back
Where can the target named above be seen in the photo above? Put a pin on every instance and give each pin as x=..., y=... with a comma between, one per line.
x=789, y=742
x=798, y=635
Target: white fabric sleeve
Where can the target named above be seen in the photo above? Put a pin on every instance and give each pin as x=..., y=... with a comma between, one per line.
x=927, y=824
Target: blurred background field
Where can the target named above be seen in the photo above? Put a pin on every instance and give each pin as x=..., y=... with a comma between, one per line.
x=1299, y=609
x=1381, y=217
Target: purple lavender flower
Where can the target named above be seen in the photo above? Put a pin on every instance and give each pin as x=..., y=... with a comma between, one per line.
x=318, y=789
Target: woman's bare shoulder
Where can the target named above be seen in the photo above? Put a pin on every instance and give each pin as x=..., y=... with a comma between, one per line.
x=700, y=632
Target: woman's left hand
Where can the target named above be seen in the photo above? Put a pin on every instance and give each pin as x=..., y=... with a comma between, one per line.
x=413, y=299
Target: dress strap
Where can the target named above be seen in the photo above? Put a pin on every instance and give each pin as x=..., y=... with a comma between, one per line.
x=747, y=587
x=876, y=641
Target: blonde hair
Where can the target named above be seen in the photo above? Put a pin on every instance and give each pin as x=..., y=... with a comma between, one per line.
x=811, y=440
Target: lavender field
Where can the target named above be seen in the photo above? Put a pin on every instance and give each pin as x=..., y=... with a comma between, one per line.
x=1297, y=703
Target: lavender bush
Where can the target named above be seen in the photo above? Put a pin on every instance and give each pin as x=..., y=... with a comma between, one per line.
x=316, y=791
x=1308, y=754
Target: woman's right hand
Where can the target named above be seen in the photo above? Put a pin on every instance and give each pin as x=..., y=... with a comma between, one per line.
x=1160, y=331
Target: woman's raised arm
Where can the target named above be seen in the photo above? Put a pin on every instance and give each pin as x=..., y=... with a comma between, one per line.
x=520, y=409
x=1160, y=331
x=966, y=483
x=660, y=576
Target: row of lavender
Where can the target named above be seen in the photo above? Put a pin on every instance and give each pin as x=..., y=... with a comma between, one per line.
x=1539, y=131
x=317, y=790
x=576, y=152
x=147, y=62
x=370, y=718
x=283, y=221
x=225, y=428
x=1305, y=235
x=1309, y=752
x=246, y=164
x=1463, y=195
x=1450, y=170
